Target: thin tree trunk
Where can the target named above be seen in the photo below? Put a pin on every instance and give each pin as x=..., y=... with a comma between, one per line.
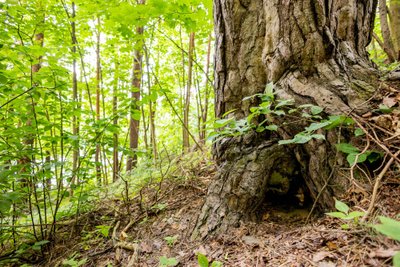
x=152, y=112
x=206, y=95
x=75, y=123
x=387, y=39
x=26, y=160
x=135, y=95
x=115, y=170
x=186, y=112
x=395, y=26
x=98, y=89
x=314, y=52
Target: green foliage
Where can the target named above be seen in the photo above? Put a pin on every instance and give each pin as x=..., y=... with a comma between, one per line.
x=388, y=227
x=344, y=214
x=104, y=230
x=270, y=109
x=354, y=154
x=41, y=177
x=171, y=240
x=391, y=229
x=203, y=261
x=73, y=262
x=166, y=262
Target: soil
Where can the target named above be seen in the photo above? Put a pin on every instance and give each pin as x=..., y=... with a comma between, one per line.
x=281, y=238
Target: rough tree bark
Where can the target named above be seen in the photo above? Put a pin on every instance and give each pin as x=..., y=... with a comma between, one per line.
x=314, y=52
x=395, y=25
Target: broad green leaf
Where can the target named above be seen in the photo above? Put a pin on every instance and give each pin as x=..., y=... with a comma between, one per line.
x=396, y=260
x=385, y=109
x=297, y=139
x=351, y=158
x=373, y=156
x=216, y=264
x=341, y=206
x=315, y=110
x=260, y=129
x=269, y=90
x=272, y=127
x=345, y=226
x=315, y=126
x=359, y=132
x=285, y=102
x=202, y=260
x=389, y=227
x=222, y=122
x=337, y=120
x=166, y=262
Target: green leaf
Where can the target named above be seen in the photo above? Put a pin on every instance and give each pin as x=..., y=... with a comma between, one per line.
x=104, y=229
x=374, y=156
x=385, y=109
x=389, y=227
x=202, y=260
x=272, y=127
x=351, y=158
x=396, y=260
x=285, y=102
x=337, y=120
x=315, y=126
x=299, y=138
x=222, y=122
x=279, y=112
x=341, y=206
x=216, y=264
x=5, y=205
x=345, y=226
x=166, y=262
x=359, y=132
x=269, y=90
x=315, y=110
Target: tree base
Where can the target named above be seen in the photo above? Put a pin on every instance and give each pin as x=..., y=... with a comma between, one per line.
x=254, y=171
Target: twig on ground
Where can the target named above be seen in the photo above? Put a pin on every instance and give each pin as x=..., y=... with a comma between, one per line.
x=377, y=184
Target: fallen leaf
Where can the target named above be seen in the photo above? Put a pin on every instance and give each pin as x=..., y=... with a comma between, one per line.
x=251, y=240
x=326, y=264
x=382, y=253
x=201, y=250
x=146, y=247
x=319, y=256
x=389, y=101
x=331, y=245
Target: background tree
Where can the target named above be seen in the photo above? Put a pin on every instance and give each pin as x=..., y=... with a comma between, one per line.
x=394, y=9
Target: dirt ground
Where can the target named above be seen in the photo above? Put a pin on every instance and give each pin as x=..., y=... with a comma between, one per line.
x=140, y=236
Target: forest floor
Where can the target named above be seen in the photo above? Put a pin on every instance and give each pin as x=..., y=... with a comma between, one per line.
x=154, y=228
x=141, y=236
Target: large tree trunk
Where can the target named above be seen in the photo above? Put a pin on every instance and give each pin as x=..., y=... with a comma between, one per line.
x=314, y=52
